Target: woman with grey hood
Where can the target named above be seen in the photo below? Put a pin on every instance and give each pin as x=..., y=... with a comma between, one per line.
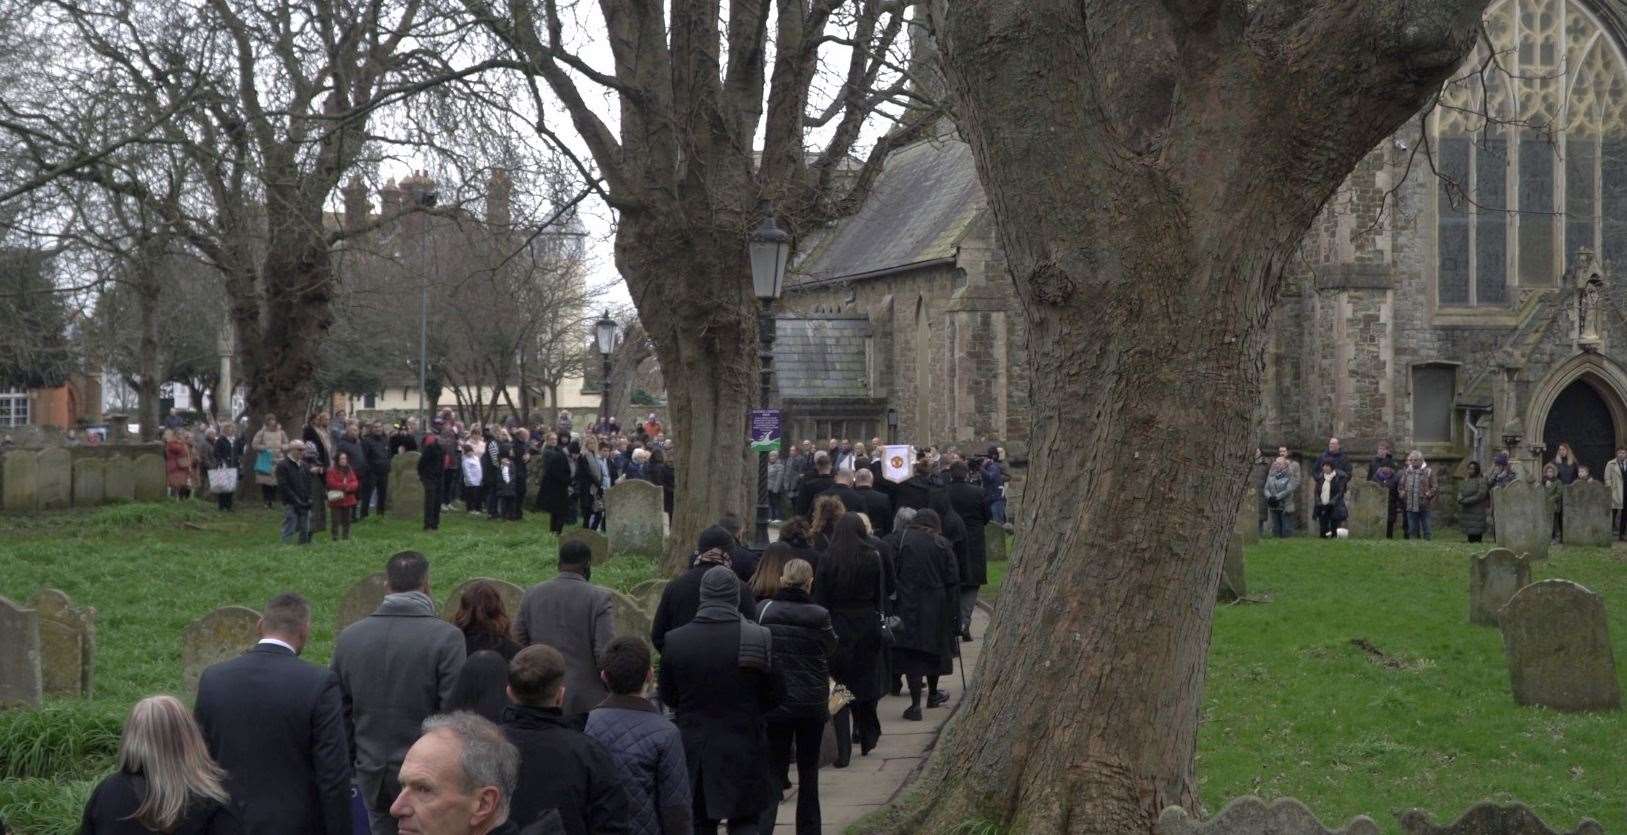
x=1280, y=486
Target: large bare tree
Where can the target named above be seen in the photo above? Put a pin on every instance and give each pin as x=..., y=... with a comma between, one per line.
x=692, y=87
x=1152, y=166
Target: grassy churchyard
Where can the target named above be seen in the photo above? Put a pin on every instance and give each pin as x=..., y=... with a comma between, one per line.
x=1421, y=717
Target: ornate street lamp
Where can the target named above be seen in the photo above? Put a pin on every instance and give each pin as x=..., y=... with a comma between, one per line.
x=604, y=335
x=770, y=250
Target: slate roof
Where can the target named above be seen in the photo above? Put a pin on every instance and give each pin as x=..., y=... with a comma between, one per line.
x=821, y=355
x=918, y=211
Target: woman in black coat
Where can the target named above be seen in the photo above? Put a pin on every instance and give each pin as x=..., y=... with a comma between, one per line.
x=803, y=643
x=166, y=781
x=926, y=604
x=853, y=584
x=660, y=473
x=554, y=490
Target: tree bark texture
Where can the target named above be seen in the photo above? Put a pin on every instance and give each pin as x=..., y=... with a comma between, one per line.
x=1151, y=167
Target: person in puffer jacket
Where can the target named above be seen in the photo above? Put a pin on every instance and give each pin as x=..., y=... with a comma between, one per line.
x=647, y=748
x=803, y=644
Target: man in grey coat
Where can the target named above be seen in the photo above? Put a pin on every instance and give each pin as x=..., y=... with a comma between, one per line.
x=396, y=668
x=575, y=617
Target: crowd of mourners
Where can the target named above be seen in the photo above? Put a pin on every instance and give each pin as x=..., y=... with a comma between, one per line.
x=541, y=720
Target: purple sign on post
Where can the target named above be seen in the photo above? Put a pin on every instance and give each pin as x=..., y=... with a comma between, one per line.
x=765, y=430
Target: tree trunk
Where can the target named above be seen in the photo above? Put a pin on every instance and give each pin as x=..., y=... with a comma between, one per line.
x=147, y=299
x=1151, y=166
x=282, y=318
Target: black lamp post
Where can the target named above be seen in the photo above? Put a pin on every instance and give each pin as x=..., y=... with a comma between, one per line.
x=770, y=249
x=604, y=335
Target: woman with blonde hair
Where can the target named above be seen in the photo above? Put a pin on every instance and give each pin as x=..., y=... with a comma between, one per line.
x=827, y=510
x=166, y=781
x=803, y=643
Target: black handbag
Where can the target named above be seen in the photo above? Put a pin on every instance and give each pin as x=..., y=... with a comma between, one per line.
x=889, y=623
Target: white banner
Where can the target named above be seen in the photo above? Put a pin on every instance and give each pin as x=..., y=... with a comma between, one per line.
x=897, y=463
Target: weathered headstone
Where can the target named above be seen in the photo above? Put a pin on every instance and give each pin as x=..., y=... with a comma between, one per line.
x=634, y=518
x=20, y=678
x=406, y=491
x=360, y=600
x=151, y=484
x=630, y=619
x=996, y=542
x=89, y=475
x=1523, y=523
x=1233, y=573
x=1587, y=514
x=53, y=479
x=225, y=633
x=1366, y=503
x=596, y=542
x=118, y=480
x=1494, y=578
x=1558, y=646
x=510, y=594
x=21, y=470
x=1252, y=816
x=1488, y=818
x=67, y=644
x=648, y=594
x=1248, y=522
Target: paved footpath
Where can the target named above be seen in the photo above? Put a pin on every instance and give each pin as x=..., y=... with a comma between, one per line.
x=847, y=794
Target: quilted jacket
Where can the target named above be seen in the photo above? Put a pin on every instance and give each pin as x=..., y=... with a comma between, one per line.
x=649, y=753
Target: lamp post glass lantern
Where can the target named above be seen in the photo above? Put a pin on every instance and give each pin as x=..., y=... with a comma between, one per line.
x=604, y=334
x=770, y=249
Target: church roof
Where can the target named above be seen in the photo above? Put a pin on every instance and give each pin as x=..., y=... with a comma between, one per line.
x=917, y=213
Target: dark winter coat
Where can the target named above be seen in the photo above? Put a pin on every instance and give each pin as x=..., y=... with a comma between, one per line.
x=927, y=596
x=803, y=644
x=224, y=454
x=662, y=475
x=116, y=798
x=855, y=603
x=563, y=769
x=852, y=502
x=916, y=493
x=554, y=493
x=403, y=442
x=967, y=500
x=1379, y=463
x=810, y=487
x=376, y=451
x=648, y=751
x=1336, y=494
x=293, y=484
x=681, y=599
x=878, y=507
x=491, y=464
x=431, y=464
x=1474, y=500
x=358, y=454
x=1337, y=459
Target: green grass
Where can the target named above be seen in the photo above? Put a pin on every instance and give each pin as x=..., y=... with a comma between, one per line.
x=151, y=569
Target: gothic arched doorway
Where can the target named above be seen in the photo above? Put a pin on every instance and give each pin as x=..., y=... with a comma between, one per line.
x=1581, y=416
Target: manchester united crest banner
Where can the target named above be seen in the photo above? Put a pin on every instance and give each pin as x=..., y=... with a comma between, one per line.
x=897, y=462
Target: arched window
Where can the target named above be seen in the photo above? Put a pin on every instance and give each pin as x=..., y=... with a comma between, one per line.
x=1547, y=174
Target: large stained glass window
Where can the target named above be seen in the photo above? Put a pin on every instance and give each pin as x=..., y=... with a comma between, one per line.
x=1546, y=174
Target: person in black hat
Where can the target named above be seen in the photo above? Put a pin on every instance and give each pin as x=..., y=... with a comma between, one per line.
x=682, y=597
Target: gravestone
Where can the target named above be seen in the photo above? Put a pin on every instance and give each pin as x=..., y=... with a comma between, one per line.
x=360, y=600
x=1233, y=574
x=648, y=594
x=510, y=594
x=1366, y=502
x=1248, y=522
x=596, y=542
x=1488, y=818
x=20, y=467
x=150, y=481
x=630, y=619
x=995, y=542
x=634, y=518
x=53, y=479
x=1558, y=647
x=67, y=644
x=118, y=480
x=89, y=475
x=1587, y=514
x=20, y=679
x=1252, y=816
x=223, y=634
x=1494, y=578
x=1523, y=523
x=406, y=491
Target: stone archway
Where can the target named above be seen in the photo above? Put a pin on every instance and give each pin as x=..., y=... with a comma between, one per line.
x=1583, y=402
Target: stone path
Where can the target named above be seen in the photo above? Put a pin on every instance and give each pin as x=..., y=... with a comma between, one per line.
x=847, y=794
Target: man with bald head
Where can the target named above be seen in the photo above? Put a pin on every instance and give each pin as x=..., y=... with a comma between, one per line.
x=874, y=503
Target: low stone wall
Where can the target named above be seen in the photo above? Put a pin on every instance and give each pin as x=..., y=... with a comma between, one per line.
x=59, y=477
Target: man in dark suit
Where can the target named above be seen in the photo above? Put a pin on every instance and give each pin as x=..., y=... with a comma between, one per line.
x=842, y=489
x=875, y=505
x=276, y=724
x=574, y=617
x=813, y=485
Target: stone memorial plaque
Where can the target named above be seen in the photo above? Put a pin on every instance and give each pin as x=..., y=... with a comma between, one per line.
x=1488, y=818
x=20, y=467
x=150, y=482
x=1252, y=816
x=406, y=491
x=223, y=634
x=360, y=600
x=1368, y=504
x=21, y=682
x=634, y=518
x=1523, y=524
x=118, y=480
x=996, y=542
x=648, y=594
x=1587, y=514
x=1557, y=642
x=596, y=542
x=67, y=644
x=630, y=618
x=53, y=479
x=89, y=475
x=1494, y=577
